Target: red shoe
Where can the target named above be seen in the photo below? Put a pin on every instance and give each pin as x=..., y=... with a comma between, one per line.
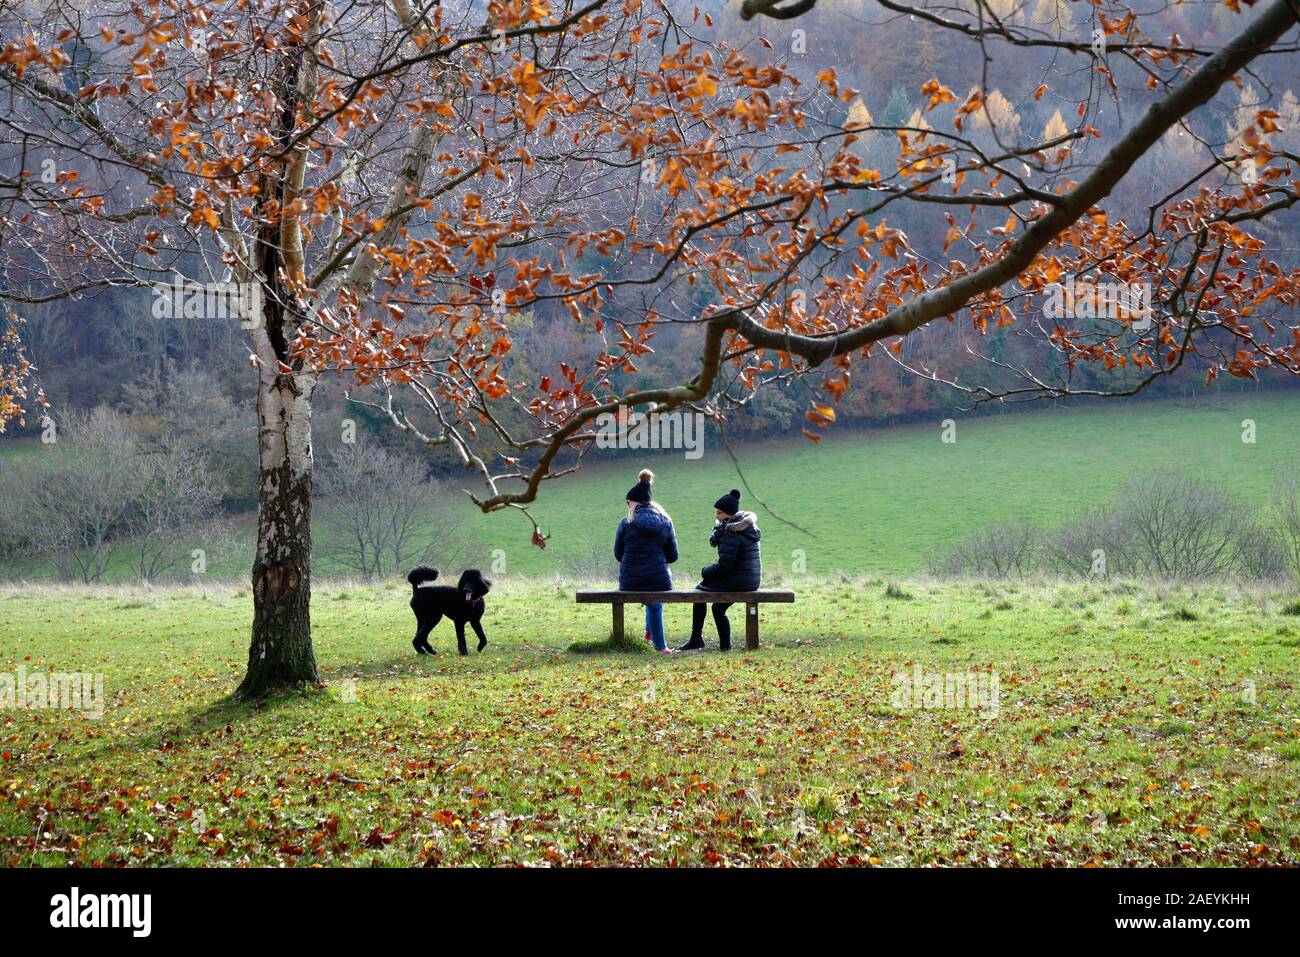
x=666, y=651
x=647, y=636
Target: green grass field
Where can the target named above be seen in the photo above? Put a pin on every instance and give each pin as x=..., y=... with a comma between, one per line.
x=876, y=501
x=1134, y=725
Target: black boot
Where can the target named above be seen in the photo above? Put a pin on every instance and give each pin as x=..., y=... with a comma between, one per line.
x=723, y=625
x=696, y=642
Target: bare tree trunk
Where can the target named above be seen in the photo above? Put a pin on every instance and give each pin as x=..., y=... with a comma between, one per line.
x=280, y=655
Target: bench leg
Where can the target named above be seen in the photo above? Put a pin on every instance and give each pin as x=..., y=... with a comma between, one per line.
x=751, y=625
x=617, y=631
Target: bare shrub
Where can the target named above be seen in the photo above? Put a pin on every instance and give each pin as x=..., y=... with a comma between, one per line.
x=1259, y=552
x=1092, y=544
x=1182, y=527
x=175, y=404
x=590, y=560
x=1073, y=548
x=1286, y=502
x=383, y=513
x=178, y=495
x=99, y=490
x=73, y=502
x=1000, y=550
x=1173, y=527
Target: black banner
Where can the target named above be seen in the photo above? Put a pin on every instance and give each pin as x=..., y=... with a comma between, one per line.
x=297, y=906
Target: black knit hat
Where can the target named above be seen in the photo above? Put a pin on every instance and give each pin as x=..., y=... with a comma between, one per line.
x=640, y=492
x=729, y=503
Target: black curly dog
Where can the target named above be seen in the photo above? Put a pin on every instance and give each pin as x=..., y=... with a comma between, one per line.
x=462, y=604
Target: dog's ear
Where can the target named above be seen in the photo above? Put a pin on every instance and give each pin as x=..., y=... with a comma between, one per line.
x=487, y=585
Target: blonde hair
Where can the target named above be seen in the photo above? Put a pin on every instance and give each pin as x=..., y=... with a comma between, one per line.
x=645, y=475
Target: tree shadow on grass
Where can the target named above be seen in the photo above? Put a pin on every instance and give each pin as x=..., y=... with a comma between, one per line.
x=180, y=728
x=448, y=664
x=613, y=645
x=176, y=729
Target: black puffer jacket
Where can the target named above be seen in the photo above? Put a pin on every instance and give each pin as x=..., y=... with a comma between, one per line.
x=644, y=548
x=740, y=565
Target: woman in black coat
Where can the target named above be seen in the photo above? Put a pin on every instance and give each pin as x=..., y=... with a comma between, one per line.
x=739, y=567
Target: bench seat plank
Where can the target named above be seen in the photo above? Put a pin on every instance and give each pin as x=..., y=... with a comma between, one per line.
x=692, y=595
x=750, y=599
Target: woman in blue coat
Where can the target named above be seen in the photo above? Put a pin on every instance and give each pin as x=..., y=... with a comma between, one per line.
x=644, y=546
x=739, y=567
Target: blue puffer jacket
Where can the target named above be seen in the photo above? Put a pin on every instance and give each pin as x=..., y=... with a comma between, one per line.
x=644, y=548
x=740, y=564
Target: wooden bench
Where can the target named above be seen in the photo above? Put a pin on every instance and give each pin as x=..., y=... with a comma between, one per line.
x=750, y=599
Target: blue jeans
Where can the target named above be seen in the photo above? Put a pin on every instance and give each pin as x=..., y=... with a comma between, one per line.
x=654, y=623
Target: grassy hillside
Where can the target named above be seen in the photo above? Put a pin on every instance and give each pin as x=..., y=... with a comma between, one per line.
x=877, y=501
x=1134, y=725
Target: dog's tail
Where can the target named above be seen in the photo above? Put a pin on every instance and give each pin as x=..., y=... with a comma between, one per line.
x=420, y=574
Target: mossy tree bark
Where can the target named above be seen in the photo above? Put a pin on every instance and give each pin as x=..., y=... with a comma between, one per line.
x=280, y=655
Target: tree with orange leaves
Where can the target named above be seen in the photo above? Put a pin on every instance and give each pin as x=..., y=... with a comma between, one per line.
x=314, y=168
x=399, y=186
x=790, y=229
